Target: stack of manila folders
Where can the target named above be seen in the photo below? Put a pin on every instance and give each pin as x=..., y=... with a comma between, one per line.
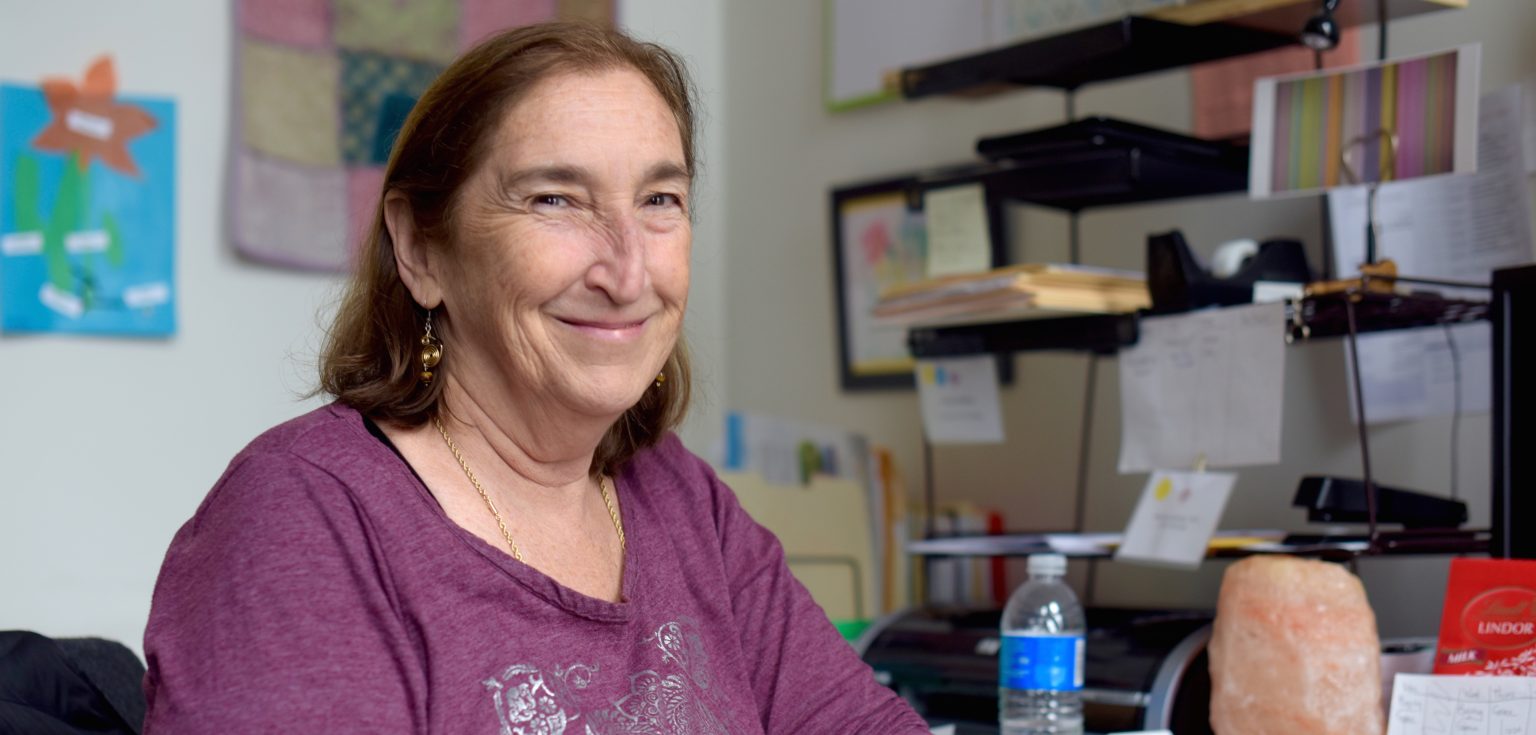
x=1014, y=292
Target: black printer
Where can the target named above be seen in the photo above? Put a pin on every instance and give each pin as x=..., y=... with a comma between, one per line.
x=1145, y=669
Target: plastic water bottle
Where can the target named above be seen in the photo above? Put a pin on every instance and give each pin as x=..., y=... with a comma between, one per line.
x=1040, y=677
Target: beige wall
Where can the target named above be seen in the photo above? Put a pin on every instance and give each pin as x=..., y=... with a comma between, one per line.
x=785, y=153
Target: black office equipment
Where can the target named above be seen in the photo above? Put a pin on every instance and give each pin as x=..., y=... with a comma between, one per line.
x=1098, y=132
x=1341, y=500
x=1178, y=282
x=1099, y=161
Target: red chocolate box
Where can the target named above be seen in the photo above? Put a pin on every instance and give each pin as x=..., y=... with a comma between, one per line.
x=1488, y=627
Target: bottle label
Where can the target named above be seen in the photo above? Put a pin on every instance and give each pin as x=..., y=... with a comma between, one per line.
x=1042, y=662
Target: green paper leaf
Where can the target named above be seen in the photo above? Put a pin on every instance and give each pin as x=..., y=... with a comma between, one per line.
x=28, y=182
x=114, y=239
x=67, y=216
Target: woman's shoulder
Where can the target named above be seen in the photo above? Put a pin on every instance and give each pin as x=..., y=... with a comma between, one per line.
x=304, y=458
x=321, y=433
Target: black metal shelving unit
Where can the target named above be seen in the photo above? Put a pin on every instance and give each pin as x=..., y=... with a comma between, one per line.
x=1344, y=314
x=1390, y=543
x=1095, y=171
x=1101, y=175
x=1127, y=47
x=1098, y=333
x=1325, y=316
x=1082, y=164
x=1309, y=318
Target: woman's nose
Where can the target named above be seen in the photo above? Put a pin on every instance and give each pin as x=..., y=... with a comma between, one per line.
x=621, y=267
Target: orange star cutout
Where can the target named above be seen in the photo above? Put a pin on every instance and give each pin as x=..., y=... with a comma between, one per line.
x=88, y=122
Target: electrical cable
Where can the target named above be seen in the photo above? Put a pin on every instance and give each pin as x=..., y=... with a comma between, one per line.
x=1084, y=447
x=1450, y=342
x=1381, y=30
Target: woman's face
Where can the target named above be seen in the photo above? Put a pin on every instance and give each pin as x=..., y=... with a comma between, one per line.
x=568, y=277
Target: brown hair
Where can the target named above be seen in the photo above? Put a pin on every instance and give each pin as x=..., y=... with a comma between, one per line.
x=371, y=357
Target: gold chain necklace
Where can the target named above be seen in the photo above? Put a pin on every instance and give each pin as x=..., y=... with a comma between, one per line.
x=602, y=485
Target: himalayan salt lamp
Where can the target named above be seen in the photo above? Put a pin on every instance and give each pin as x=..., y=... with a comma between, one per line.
x=1294, y=651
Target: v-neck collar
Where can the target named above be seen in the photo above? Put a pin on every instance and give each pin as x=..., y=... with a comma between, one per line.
x=532, y=579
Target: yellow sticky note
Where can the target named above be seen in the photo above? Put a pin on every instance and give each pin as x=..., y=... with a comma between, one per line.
x=958, y=241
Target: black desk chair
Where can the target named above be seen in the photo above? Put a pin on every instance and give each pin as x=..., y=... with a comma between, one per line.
x=69, y=686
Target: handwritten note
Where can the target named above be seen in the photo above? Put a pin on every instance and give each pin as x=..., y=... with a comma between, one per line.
x=1206, y=383
x=1423, y=704
x=957, y=230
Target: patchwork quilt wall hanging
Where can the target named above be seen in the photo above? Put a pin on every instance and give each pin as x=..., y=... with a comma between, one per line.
x=321, y=89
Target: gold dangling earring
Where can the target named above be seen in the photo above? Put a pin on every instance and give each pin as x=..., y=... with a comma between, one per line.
x=660, y=378
x=431, y=352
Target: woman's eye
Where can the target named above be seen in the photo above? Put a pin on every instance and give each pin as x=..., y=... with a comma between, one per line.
x=551, y=200
x=664, y=200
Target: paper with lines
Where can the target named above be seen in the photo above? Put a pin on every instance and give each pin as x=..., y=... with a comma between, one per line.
x=1423, y=704
x=1208, y=384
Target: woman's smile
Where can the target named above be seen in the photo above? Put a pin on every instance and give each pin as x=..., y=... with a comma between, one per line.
x=606, y=329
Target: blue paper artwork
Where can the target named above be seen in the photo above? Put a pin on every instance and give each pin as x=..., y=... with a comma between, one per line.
x=87, y=209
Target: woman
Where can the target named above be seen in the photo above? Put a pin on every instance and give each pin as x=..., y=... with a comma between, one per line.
x=492, y=530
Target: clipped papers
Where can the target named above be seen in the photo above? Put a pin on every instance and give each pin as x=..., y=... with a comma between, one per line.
x=1206, y=384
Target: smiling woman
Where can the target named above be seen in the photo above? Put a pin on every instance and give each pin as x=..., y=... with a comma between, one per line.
x=567, y=273
x=492, y=528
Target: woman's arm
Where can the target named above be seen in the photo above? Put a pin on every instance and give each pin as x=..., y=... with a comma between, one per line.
x=805, y=677
x=271, y=614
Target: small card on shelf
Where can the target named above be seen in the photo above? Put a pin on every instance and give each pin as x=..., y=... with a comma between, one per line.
x=1175, y=518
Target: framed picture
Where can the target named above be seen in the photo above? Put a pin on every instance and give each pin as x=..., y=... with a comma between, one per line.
x=879, y=241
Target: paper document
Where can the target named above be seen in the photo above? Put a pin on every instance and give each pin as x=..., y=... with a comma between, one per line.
x=1457, y=228
x=958, y=241
x=826, y=542
x=1174, y=520
x=790, y=452
x=958, y=398
x=1411, y=374
x=1424, y=704
x=1205, y=384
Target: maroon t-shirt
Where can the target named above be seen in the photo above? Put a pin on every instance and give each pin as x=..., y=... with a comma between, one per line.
x=320, y=588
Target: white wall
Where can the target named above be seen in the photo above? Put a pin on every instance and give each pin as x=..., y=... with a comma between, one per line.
x=107, y=446
x=790, y=152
